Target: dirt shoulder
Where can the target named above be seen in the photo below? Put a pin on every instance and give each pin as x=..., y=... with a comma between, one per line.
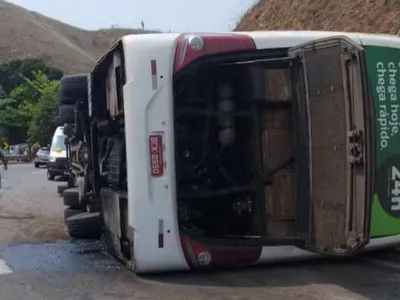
x=30, y=209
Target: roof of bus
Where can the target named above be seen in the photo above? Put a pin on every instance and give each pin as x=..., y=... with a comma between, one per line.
x=264, y=39
x=291, y=38
x=281, y=38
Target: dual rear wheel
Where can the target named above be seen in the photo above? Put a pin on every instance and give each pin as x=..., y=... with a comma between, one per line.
x=80, y=223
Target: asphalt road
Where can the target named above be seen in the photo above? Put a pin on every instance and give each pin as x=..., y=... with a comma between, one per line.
x=37, y=261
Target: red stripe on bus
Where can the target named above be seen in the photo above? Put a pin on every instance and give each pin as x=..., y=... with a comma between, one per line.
x=160, y=240
x=153, y=67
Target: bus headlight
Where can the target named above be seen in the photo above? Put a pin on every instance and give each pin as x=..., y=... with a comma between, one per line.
x=204, y=258
x=196, y=42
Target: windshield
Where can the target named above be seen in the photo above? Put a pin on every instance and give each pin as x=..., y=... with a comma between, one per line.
x=58, y=143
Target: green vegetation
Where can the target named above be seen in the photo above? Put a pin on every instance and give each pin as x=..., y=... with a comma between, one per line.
x=28, y=101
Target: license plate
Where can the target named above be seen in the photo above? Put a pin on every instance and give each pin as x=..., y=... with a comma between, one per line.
x=156, y=155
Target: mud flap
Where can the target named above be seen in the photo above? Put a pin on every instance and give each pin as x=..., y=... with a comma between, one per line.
x=333, y=156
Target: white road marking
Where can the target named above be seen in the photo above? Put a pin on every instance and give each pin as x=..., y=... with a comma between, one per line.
x=4, y=268
x=36, y=172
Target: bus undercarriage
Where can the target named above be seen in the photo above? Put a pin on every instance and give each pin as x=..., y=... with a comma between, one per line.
x=235, y=150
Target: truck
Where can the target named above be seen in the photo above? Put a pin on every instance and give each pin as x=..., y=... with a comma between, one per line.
x=210, y=150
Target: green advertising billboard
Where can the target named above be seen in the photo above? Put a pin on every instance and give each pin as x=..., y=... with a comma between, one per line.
x=383, y=65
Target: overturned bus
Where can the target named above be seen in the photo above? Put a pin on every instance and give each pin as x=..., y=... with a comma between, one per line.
x=211, y=150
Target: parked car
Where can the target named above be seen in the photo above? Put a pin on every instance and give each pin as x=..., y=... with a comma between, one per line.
x=42, y=157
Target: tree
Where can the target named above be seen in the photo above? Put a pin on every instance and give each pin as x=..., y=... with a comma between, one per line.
x=42, y=125
x=9, y=119
x=12, y=73
x=22, y=85
x=30, y=110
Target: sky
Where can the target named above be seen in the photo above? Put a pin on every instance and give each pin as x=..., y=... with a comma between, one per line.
x=164, y=15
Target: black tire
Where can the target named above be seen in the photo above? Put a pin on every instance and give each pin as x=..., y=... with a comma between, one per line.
x=61, y=189
x=50, y=176
x=37, y=165
x=69, y=212
x=84, y=225
x=73, y=86
x=67, y=100
x=72, y=101
x=71, y=197
x=67, y=114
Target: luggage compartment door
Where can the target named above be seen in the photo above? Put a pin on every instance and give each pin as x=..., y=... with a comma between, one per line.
x=333, y=145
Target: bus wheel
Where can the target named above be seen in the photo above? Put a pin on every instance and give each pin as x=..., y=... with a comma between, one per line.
x=50, y=176
x=69, y=212
x=85, y=225
x=67, y=113
x=61, y=189
x=71, y=197
x=72, y=87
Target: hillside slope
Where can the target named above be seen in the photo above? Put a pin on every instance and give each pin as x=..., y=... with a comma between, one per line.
x=372, y=16
x=27, y=34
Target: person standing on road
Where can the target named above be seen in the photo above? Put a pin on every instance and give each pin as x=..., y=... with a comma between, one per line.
x=3, y=158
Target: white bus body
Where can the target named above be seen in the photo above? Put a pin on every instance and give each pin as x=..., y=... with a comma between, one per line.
x=150, y=63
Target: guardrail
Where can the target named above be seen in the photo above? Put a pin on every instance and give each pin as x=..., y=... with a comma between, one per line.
x=19, y=158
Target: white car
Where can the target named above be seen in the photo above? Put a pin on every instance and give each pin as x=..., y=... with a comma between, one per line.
x=42, y=157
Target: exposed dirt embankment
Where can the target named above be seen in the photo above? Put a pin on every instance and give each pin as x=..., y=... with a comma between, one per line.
x=27, y=34
x=372, y=16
